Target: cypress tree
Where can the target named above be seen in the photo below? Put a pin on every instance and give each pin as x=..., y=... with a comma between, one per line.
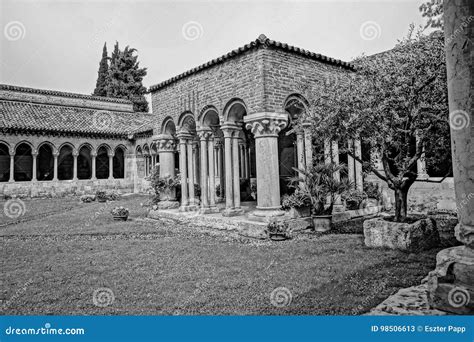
x=125, y=78
x=101, y=84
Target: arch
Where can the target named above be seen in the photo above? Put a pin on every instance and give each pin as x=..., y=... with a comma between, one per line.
x=84, y=162
x=235, y=110
x=65, y=162
x=102, y=162
x=139, y=151
x=23, y=162
x=168, y=126
x=4, y=162
x=147, y=159
x=187, y=123
x=119, y=162
x=106, y=146
x=209, y=117
x=45, y=162
x=295, y=105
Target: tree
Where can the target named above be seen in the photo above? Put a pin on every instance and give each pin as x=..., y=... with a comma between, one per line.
x=101, y=84
x=396, y=102
x=125, y=78
x=433, y=10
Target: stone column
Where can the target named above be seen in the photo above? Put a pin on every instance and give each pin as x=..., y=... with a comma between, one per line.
x=204, y=136
x=451, y=284
x=358, y=166
x=242, y=159
x=421, y=165
x=265, y=127
x=220, y=162
x=93, y=161
x=231, y=170
x=34, y=155
x=350, y=163
x=300, y=151
x=12, y=166
x=327, y=151
x=236, y=170
x=246, y=162
x=191, y=168
x=196, y=164
x=55, y=165
x=111, y=165
x=166, y=148
x=74, y=165
x=212, y=177
x=338, y=207
x=308, y=145
x=183, y=171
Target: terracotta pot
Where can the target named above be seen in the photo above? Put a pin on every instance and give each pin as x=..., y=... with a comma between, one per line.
x=278, y=236
x=102, y=200
x=322, y=223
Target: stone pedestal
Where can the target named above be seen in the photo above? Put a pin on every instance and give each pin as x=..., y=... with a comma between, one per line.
x=265, y=127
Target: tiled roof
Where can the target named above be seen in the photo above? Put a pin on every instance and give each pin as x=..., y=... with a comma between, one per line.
x=61, y=93
x=44, y=119
x=262, y=40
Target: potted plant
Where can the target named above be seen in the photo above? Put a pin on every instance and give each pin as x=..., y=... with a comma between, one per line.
x=322, y=188
x=354, y=199
x=298, y=204
x=253, y=190
x=120, y=213
x=279, y=230
x=101, y=196
x=374, y=195
x=165, y=189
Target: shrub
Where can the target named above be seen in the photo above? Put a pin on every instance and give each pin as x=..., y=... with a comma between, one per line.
x=120, y=211
x=296, y=200
x=101, y=195
x=87, y=198
x=372, y=190
x=112, y=196
x=279, y=228
x=353, y=198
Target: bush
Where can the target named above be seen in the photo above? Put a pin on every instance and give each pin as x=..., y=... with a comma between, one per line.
x=120, y=211
x=372, y=190
x=279, y=228
x=101, y=195
x=112, y=196
x=353, y=198
x=296, y=200
x=87, y=198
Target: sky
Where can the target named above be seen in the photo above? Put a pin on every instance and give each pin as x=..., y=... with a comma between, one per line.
x=57, y=45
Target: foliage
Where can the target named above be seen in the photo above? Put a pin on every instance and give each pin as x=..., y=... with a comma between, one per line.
x=101, y=195
x=279, y=228
x=373, y=190
x=353, y=198
x=112, y=196
x=162, y=184
x=101, y=84
x=87, y=198
x=120, y=211
x=320, y=186
x=298, y=199
x=397, y=101
x=433, y=10
x=125, y=78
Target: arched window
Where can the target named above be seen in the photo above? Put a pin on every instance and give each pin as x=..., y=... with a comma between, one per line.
x=23, y=163
x=84, y=163
x=45, y=163
x=65, y=163
x=4, y=163
x=119, y=162
x=102, y=163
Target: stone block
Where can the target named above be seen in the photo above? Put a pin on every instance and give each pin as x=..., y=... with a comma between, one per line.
x=410, y=237
x=445, y=225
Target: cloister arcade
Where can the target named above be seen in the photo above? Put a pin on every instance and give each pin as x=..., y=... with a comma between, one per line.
x=45, y=161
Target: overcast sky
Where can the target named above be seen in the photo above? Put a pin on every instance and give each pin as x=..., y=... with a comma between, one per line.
x=57, y=44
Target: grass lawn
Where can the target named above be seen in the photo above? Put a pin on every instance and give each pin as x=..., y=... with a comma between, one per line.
x=63, y=251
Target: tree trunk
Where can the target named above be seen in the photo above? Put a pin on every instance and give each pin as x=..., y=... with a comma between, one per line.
x=401, y=204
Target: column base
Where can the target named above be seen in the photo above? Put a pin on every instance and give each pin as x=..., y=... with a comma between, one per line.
x=209, y=210
x=232, y=212
x=422, y=176
x=266, y=215
x=168, y=205
x=450, y=285
x=185, y=208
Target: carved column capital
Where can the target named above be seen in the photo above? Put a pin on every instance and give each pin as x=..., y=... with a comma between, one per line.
x=266, y=124
x=204, y=134
x=165, y=143
x=230, y=130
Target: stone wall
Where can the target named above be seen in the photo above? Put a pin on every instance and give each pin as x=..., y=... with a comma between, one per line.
x=262, y=77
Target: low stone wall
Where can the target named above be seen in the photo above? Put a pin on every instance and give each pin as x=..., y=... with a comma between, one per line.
x=62, y=188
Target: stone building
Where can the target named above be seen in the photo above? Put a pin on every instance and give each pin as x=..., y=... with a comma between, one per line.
x=226, y=126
